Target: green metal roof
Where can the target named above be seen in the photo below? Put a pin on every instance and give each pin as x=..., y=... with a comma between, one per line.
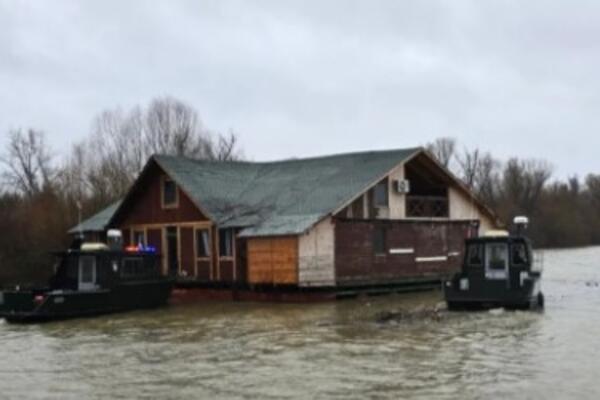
x=97, y=222
x=274, y=198
x=282, y=197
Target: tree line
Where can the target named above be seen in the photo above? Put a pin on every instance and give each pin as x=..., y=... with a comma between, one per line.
x=563, y=213
x=42, y=195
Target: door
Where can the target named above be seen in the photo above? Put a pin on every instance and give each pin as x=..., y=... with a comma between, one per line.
x=87, y=273
x=496, y=261
x=172, y=250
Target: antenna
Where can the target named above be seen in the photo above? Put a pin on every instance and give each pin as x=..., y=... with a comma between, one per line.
x=79, y=207
x=521, y=223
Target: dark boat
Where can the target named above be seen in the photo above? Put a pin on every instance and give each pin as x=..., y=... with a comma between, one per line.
x=498, y=271
x=92, y=280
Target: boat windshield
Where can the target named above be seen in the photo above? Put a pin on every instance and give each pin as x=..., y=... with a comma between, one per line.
x=496, y=260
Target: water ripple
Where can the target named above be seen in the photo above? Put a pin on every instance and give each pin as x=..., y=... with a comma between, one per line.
x=332, y=350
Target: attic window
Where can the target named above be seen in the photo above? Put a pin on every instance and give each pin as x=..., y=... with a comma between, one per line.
x=381, y=194
x=169, y=193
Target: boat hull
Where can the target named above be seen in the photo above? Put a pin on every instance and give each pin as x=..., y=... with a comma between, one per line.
x=484, y=295
x=41, y=306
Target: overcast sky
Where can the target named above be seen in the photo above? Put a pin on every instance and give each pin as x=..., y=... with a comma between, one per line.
x=315, y=77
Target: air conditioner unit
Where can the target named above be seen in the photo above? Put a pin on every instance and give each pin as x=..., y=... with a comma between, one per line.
x=402, y=186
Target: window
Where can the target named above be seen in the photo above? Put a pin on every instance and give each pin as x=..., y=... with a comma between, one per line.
x=169, y=193
x=497, y=256
x=225, y=242
x=139, y=237
x=87, y=268
x=202, y=243
x=379, y=239
x=475, y=255
x=381, y=194
x=519, y=254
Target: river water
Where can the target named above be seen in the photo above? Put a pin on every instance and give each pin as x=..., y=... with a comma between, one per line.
x=332, y=350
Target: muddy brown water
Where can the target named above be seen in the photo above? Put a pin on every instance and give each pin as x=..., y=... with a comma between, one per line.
x=331, y=350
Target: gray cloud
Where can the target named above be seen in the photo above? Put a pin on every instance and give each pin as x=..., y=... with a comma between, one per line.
x=304, y=78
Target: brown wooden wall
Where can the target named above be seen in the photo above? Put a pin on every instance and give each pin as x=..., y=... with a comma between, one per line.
x=144, y=211
x=186, y=247
x=144, y=206
x=273, y=261
x=356, y=263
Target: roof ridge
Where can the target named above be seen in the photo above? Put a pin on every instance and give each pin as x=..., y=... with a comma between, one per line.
x=292, y=160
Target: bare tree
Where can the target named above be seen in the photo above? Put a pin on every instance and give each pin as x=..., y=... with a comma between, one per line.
x=226, y=148
x=469, y=163
x=122, y=141
x=592, y=183
x=443, y=149
x=523, y=183
x=28, y=162
x=487, y=179
x=173, y=127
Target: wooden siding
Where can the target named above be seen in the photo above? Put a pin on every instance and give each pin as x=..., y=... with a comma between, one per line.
x=273, y=261
x=316, y=256
x=226, y=273
x=203, y=268
x=143, y=211
x=187, y=265
x=144, y=206
x=241, y=260
x=356, y=263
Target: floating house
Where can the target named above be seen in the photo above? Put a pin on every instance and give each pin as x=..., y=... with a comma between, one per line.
x=336, y=222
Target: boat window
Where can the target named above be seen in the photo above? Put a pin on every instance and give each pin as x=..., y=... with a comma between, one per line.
x=519, y=254
x=475, y=255
x=202, y=243
x=87, y=266
x=132, y=267
x=496, y=256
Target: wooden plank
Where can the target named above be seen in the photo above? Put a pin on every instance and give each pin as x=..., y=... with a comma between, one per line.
x=187, y=251
x=273, y=261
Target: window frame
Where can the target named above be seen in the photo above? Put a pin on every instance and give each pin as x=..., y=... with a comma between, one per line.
x=198, y=234
x=135, y=232
x=492, y=269
x=525, y=262
x=83, y=268
x=229, y=232
x=481, y=251
x=164, y=181
x=378, y=190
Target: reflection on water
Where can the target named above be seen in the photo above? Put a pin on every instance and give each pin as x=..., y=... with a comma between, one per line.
x=331, y=350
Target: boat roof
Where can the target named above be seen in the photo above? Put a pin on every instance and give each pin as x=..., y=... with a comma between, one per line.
x=506, y=238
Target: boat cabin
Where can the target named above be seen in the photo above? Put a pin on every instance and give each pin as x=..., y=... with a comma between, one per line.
x=498, y=270
x=498, y=257
x=96, y=267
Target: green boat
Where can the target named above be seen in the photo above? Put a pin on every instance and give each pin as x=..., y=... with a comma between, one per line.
x=92, y=279
x=498, y=272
